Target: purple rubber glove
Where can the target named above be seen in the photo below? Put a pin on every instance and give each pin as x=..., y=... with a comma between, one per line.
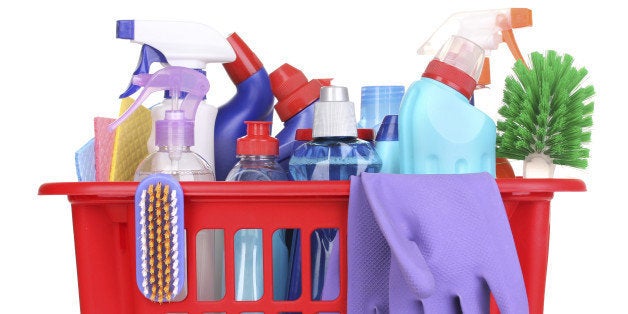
x=369, y=260
x=457, y=226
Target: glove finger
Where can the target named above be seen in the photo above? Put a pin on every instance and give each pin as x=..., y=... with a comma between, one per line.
x=509, y=292
x=441, y=303
x=411, y=261
x=476, y=298
x=401, y=300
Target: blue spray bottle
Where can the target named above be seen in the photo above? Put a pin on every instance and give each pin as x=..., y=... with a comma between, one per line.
x=335, y=153
x=257, y=152
x=439, y=132
x=295, y=96
x=185, y=44
x=253, y=101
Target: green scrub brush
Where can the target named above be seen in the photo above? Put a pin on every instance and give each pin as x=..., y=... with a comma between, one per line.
x=547, y=115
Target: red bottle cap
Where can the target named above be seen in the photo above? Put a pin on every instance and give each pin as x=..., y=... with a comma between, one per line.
x=294, y=93
x=257, y=140
x=246, y=62
x=306, y=134
x=450, y=76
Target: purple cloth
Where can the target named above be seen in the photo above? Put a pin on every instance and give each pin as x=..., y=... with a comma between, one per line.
x=433, y=244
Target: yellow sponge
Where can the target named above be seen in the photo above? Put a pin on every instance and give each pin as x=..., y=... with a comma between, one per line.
x=129, y=147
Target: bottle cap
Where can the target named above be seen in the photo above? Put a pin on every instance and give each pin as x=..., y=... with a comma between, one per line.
x=377, y=102
x=388, y=131
x=294, y=93
x=458, y=65
x=246, y=63
x=334, y=114
x=257, y=140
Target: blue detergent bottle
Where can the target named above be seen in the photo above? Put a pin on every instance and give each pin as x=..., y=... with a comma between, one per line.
x=257, y=152
x=377, y=102
x=253, y=101
x=335, y=153
x=295, y=96
x=387, y=144
x=439, y=131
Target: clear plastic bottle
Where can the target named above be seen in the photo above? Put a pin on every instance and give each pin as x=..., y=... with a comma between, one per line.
x=335, y=153
x=189, y=167
x=258, y=153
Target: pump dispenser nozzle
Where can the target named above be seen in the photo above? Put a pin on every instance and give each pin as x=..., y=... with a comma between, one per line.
x=177, y=129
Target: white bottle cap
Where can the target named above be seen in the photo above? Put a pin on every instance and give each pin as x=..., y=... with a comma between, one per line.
x=334, y=114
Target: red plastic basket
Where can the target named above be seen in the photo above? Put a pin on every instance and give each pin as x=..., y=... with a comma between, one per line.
x=103, y=219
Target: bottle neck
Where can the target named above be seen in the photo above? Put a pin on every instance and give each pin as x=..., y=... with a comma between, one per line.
x=182, y=149
x=257, y=157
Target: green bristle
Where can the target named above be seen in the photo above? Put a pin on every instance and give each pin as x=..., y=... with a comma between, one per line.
x=546, y=111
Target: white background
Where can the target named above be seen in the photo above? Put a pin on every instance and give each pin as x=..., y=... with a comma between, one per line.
x=60, y=66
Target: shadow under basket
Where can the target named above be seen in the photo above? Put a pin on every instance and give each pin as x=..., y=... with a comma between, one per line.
x=103, y=220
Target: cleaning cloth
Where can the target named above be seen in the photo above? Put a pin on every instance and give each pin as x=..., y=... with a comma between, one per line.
x=434, y=244
x=103, y=147
x=129, y=147
x=84, y=160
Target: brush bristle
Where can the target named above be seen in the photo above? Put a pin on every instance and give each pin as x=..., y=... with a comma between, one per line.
x=546, y=111
x=159, y=242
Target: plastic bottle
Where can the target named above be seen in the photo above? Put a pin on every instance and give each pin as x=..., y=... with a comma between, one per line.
x=335, y=153
x=488, y=29
x=253, y=101
x=438, y=131
x=186, y=44
x=376, y=102
x=295, y=96
x=175, y=133
x=387, y=144
x=258, y=162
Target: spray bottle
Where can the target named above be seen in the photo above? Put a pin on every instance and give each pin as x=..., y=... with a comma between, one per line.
x=185, y=44
x=174, y=135
x=488, y=29
x=439, y=132
x=253, y=101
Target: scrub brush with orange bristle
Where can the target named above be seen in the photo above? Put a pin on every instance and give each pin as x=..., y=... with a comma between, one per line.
x=160, y=238
x=547, y=115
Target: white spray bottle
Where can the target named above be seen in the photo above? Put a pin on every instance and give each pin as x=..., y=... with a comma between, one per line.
x=184, y=44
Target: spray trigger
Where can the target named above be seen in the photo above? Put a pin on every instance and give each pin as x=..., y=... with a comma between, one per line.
x=178, y=80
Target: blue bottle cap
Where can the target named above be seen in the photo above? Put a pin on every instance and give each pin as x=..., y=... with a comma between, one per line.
x=388, y=131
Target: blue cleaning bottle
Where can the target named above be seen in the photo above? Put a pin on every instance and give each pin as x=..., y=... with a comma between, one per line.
x=335, y=153
x=387, y=144
x=439, y=132
x=377, y=102
x=295, y=96
x=257, y=152
x=253, y=101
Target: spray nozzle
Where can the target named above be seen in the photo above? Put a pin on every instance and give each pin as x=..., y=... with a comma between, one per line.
x=487, y=28
x=185, y=44
x=177, y=129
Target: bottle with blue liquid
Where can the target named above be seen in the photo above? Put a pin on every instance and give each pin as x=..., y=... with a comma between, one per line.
x=335, y=153
x=257, y=153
